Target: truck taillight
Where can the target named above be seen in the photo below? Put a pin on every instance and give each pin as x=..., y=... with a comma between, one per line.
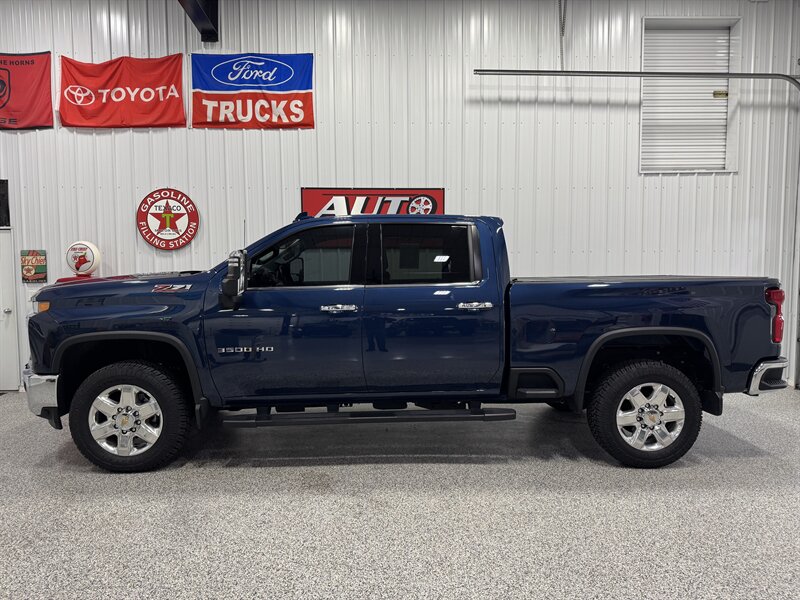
x=775, y=297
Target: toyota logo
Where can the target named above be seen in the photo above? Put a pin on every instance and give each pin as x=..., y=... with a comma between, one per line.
x=79, y=95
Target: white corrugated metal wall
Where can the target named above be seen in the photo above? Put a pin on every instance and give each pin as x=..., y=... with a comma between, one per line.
x=397, y=105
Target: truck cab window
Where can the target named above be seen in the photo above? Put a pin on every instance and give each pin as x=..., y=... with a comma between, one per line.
x=426, y=254
x=312, y=257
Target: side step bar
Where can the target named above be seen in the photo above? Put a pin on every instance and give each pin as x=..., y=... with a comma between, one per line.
x=536, y=393
x=369, y=416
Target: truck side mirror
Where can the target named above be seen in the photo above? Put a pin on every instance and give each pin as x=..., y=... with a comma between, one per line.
x=235, y=281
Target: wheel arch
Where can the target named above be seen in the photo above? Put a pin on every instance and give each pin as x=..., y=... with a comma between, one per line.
x=712, y=398
x=103, y=339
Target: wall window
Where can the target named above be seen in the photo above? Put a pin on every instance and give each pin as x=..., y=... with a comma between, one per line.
x=311, y=257
x=5, y=216
x=689, y=124
x=426, y=254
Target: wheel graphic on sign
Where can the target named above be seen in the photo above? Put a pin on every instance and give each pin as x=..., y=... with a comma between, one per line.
x=421, y=205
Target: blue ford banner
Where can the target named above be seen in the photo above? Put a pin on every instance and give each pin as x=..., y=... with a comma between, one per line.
x=252, y=91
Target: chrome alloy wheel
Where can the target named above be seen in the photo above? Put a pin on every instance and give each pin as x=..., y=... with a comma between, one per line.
x=650, y=416
x=125, y=420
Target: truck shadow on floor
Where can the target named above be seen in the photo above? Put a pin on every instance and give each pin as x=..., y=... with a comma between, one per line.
x=538, y=434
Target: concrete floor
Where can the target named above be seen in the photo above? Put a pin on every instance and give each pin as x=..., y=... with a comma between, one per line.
x=521, y=509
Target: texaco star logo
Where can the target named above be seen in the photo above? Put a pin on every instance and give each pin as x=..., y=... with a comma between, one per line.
x=167, y=219
x=79, y=95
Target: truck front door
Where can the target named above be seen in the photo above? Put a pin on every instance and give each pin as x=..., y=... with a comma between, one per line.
x=433, y=317
x=298, y=328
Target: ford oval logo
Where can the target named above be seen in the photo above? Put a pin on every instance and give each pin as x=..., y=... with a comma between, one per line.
x=251, y=71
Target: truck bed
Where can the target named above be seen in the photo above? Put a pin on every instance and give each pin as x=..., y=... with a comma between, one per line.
x=554, y=321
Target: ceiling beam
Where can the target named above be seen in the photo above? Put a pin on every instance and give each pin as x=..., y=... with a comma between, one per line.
x=205, y=16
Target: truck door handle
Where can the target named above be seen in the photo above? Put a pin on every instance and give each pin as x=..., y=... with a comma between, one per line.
x=475, y=305
x=338, y=308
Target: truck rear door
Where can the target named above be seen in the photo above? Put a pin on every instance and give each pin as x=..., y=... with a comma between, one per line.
x=433, y=319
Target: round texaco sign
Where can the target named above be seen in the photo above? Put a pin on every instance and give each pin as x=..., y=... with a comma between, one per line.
x=167, y=219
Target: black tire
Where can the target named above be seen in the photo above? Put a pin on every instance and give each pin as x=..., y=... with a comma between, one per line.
x=559, y=406
x=602, y=412
x=171, y=398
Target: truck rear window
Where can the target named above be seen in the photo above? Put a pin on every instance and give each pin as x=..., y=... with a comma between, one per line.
x=426, y=254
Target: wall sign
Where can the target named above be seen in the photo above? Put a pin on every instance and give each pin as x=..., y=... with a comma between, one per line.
x=25, y=98
x=124, y=92
x=252, y=91
x=83, y=258
x=167, y=219
x=34, y=266
x=322, y=202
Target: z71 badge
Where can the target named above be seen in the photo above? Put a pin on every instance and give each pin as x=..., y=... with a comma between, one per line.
x=172, y=287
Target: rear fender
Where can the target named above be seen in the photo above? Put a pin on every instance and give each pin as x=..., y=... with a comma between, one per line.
x=712, y=399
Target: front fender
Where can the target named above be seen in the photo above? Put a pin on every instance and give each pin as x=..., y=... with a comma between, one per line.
x=191, y=361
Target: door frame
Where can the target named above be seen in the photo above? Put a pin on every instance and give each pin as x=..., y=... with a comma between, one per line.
x=9, y=231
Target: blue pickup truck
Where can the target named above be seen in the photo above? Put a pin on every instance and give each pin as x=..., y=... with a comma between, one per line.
x=376, y=319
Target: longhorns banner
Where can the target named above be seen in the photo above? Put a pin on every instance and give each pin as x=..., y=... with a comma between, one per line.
x=327, y=202
x=252, y=91
x=124, y=92
x=26, y=101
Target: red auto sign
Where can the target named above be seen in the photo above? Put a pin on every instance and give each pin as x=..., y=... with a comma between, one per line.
x=26, y=101
x=322, y=202
x=167, y=219
x=124, y=92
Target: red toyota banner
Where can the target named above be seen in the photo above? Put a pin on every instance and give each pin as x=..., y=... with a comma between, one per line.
x=26, y=101
x=124, y=92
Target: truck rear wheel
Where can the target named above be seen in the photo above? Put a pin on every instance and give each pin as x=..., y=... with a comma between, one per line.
x=129, y=416
x=645, y=414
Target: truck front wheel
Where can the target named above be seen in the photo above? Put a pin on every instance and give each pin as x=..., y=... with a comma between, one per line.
x=129, y=416
x=645, y=413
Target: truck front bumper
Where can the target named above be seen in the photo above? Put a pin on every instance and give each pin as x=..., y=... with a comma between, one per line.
x=768, y=376
x=41, y=394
